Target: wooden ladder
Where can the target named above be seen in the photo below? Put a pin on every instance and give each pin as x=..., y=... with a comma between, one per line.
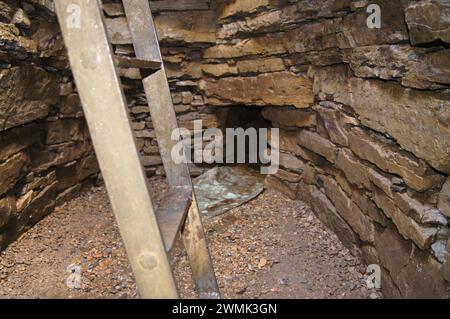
x=148, y=234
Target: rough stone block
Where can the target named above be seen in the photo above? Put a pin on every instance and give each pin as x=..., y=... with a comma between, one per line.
x=417, y=120
x=260, y=65
x=420, y=68
x=351, y=213
x=444, y=198
x=336, y=121
x=26, y=94
x=261, y=46
x=318, y=144
x=239, y=7
x=219, y=70
x=282, y=88
x=66, y=130
x=11, y=171
x=7, y=209
x=291, y=162
x=389, y=158
x=421, y=213
x=354, y=31
x=289, y=117
x=428, y=21
x=356, y=172
x=408, y=228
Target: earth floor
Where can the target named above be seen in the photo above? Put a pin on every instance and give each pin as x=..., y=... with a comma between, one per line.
x=271, y=247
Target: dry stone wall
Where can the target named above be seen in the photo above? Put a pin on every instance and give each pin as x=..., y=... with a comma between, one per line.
x=363, y=113
x=46, y=157
x=364, y=118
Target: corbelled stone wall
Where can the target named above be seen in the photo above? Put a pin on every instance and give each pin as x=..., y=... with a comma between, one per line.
x=364, y=117
x=46, y=156
x=363, y=114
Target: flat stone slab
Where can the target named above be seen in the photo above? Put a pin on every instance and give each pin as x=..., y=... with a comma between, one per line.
x=223, y=188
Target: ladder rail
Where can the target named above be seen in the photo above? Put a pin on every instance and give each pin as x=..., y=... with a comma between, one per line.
x=147, y=234
x=146, y=46
x=91, y=59
x=157, y=90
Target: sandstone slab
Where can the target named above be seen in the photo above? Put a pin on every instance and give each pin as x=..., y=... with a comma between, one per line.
x=418, y=121
x=186, y=27
x=240, y=7
x=7, y=209
x=71, y=174
x=336, y=121
x=59, y=154
x=389, y=158
x=291, y=162
x=261, y=46
x=26, y=94
x=408, y=228
x=444, y=199
x=16, y=45
x=428, y=21
x=421, y=213
x=281, y=88
x=313, y=36
x=316, y=143
x=393, y=250
x=260, y=65
x=352, y=214
x=289, y=143
x=283, y=18
x=427, y=283
x=11, y=170
x=289, y=117
x=15, y=140
x=41, y=205
x=66, y=130
x=219, y=70
x=355, y=170
x=354, y=31
x=179, y=5
x=420, y=68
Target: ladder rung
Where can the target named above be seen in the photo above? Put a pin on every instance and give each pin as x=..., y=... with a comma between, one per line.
x=171, y=213
x=127, y=62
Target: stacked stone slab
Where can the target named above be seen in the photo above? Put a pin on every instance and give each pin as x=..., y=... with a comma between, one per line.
x=364, y=118
x=363, y=113
x=46, y=156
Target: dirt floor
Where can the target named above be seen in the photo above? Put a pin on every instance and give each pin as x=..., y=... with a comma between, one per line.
x=271, y=247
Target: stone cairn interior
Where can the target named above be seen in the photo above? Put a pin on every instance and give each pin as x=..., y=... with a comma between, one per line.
x=364, y=114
